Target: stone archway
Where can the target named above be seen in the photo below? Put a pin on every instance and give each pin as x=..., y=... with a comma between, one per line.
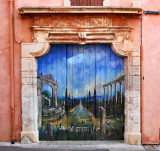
x=88, y=28
x=42, y=81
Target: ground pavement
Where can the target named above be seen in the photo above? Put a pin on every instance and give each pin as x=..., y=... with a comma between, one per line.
x=77, y=146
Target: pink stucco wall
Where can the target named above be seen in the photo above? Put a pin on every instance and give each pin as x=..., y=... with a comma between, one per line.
x=151, y=69
x=5, y=120
x=151, y=64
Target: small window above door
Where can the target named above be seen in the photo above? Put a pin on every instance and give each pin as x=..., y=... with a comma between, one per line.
x=86, y=2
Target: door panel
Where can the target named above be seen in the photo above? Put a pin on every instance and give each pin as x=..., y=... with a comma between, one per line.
x=84, y=110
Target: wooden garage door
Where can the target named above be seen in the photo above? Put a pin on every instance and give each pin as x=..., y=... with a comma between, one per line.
x=89, y=101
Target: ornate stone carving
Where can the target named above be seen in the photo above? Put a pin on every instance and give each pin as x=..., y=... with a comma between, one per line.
x=82, y=35
x=122, y=45
x=125, y=48
x=42, y=49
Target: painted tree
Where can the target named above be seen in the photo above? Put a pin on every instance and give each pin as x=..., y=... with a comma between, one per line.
x=84, y=101
x=87, y=102
x=60, y=102
x=123, y=104
x=89, y=99
x=114, y=107
x=69, y=103
x=66, y=102
x=46, y=93
x=72, y=103
x=95, y=104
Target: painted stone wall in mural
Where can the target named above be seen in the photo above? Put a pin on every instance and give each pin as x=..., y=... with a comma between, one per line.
x=81, y=93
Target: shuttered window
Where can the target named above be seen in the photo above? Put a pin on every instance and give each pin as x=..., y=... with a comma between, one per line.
x=86, y=2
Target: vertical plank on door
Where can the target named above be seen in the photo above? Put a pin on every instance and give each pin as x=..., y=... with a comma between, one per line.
x=97, y=71
x=61, y=76
x=86, y=73
x=102, y=50
x=69, y=74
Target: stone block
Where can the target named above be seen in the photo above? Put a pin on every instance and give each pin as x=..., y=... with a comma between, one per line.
x=29, y=90
x=29, y=64
x=129, y=85
x=135, y=54
x=29, y=137
x=133, y=138
x=136, y=83
x=136, y=61
x=26, y=49
x=29, y=81
x=134, y=71
x=134, y=120
x=29, y=74
x=29, y=111
x=27, y=101
x=27, y=120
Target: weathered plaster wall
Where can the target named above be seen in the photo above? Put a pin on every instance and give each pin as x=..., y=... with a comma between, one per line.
x=151, y=64
x=5, y=119
x=151, y=69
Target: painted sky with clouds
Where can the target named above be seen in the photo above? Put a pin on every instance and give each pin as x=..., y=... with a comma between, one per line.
x=85, y=67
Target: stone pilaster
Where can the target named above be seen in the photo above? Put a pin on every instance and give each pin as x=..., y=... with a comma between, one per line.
x=29, y=90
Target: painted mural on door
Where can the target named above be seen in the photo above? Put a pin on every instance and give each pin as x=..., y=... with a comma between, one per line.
x=81, y=93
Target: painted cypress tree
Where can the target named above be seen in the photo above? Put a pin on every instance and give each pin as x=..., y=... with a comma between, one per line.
x=66, y=103
x=69, y=103
x=84, y=100
x=72, y=103
x=89, y=99
x=60, y=101
x=95, y=104
x=87, y=102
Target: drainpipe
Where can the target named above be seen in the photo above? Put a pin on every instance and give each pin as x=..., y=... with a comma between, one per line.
x=12, y=71
x=141, y=83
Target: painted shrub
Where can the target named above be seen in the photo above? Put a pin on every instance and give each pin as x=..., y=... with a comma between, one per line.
x=83, y=73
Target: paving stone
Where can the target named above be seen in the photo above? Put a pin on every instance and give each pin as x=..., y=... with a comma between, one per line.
x=150, y=148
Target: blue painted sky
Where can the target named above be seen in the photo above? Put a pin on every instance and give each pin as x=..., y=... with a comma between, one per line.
x=85, y=66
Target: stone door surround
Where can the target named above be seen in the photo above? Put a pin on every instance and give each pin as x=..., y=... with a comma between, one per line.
x=80, y=25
